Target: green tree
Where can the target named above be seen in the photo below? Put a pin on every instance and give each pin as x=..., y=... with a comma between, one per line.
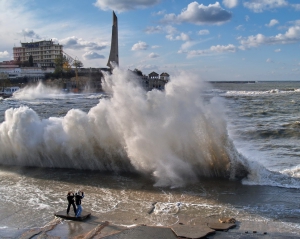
x=59, y=64
x=77, y=64
x=138, y=72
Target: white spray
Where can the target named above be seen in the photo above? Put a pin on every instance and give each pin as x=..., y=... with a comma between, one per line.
x=38, y=91
x=171, y=135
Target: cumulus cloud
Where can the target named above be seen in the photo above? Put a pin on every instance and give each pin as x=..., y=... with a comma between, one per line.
x=140, y=46
x=221, y=49
x=262, y=5
x=29, y=33
x=272, y=23
x=230, y=3
x=247, y=18
x=4, y=54
x=92, y=55
x=153, y=55
x=155, y=46
x=269, y=60
x=200, y=14
x=171, y=30
x=188, y=45
x=277, y=50
x=181, y=37
x=124, y=5
x=203, y=32
x=292, y=35
x=78, y=43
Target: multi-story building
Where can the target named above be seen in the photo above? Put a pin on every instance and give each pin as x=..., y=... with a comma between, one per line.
x=43, y=53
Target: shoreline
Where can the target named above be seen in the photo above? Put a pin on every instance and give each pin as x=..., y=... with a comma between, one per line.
x=96, y=227
x=131, y=200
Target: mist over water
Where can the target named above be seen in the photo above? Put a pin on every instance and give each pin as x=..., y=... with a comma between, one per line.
x=174, y=135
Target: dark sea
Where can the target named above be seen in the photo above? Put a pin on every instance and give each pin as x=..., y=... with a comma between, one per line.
x=195, y=151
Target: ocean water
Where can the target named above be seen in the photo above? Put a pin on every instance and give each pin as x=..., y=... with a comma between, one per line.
x=197, y=150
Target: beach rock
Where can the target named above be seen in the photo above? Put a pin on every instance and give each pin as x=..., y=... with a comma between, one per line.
x=188, y=231
x=221, y=226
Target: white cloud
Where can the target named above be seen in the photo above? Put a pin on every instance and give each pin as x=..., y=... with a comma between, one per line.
x=221, y=49
x=269, y=60
x=247, y=18
x=292, y=35
x=200, y=14
x=277, y=50
x=171, y=30
x=155, y=46
x=188, y=45
x=124, y=5
x=78, y=43
x=181, y=37
x=139, y=46
x=261, y=5
x=203, y=32
x=230, y=3
x=92, y=55
x=272, y=23
x=153, y=55
x=4, y=54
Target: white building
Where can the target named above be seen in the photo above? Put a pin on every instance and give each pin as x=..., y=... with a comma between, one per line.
x=43, y=52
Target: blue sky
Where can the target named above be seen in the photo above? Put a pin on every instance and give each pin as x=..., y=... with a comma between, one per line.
x=218, y=40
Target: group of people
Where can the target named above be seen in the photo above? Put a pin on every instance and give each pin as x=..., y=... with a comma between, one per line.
x=75, y=198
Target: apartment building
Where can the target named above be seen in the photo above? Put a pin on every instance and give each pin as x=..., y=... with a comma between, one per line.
x=43, y=53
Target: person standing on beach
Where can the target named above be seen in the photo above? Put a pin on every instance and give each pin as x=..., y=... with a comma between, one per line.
x=70, y=197
x=78, y=196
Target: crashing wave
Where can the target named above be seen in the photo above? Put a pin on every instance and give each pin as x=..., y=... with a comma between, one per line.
x=173, y=135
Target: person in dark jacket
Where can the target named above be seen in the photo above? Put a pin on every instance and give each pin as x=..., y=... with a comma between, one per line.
x=78, y=196
x=70, y=197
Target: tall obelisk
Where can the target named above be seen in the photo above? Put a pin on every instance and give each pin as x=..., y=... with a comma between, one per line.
x=114, y=48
